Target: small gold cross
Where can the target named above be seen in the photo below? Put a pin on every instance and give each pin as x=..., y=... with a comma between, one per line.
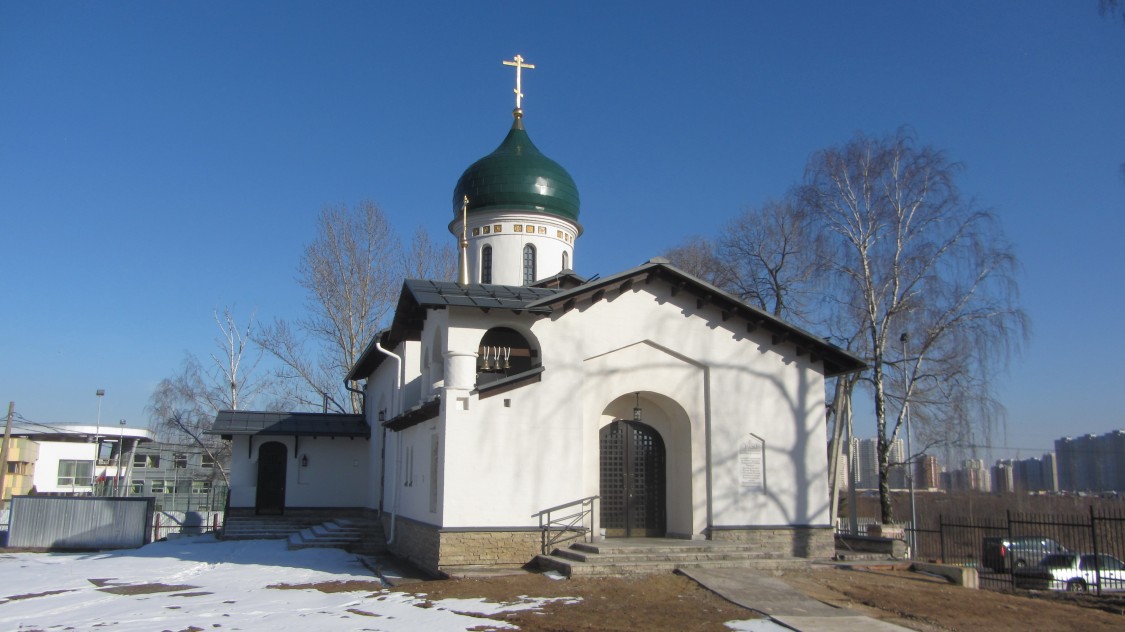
x=517, y=61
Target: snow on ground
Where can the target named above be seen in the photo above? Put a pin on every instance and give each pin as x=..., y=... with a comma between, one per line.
x=204, y=584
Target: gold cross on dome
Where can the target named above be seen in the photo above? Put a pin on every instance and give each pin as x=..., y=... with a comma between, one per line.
x=517, y=61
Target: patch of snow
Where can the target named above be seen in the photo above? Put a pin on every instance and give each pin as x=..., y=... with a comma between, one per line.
x=756, y=625
x=230, y=587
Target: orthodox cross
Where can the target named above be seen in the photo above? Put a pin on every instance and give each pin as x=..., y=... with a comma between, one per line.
x=517, y=61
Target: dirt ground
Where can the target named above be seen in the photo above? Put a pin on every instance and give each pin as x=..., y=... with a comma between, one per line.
x=674, y=603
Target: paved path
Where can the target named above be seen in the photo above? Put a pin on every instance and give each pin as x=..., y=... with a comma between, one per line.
x=782, y=603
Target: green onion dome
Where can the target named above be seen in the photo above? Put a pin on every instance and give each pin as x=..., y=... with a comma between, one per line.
x=517, y=176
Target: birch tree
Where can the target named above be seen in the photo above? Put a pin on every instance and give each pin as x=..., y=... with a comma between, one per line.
x=907, y=255
x=351, y=273
x=184, y=405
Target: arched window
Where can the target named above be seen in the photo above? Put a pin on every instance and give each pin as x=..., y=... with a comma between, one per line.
x=566, y=261
x=503, y=352
x=528, y=264
x=486, y=264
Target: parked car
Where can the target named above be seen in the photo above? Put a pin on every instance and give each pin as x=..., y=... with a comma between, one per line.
x=1073, y=572
x=1001, y=554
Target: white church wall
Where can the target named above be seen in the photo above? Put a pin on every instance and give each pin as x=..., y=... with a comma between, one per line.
x=243, y=473
x=672, y=394
x=748, y=388
x=701, y=379
x=413, y=478
x=514, y=453
x=336, y=474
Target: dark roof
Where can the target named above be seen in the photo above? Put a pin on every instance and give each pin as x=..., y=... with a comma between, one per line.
x=445, y=293
x=246, y=422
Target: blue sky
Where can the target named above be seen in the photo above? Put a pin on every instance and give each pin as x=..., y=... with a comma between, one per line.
x=159, y=160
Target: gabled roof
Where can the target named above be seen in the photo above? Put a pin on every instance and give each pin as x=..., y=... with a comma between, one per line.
x=248, y=422
x=836, y=360
x=419, y=295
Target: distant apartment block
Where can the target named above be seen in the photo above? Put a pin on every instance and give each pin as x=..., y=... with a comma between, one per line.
x=1026, y=475
x=927, y=473
x=866, y=460
x=973, y=476
x=1092, y=463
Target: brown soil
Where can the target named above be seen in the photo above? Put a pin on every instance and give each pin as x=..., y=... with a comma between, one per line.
x=674, y=602
x=657, y=603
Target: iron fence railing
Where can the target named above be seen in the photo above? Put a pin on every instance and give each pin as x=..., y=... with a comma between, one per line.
x=566, y=523
x=1007, y=549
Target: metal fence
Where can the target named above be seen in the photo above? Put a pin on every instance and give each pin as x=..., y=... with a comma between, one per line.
x=79, y=522
x=1004, y=548
x=171, y=523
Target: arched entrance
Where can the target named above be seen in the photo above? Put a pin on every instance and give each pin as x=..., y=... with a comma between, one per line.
x=270, y=499
x=633, y=498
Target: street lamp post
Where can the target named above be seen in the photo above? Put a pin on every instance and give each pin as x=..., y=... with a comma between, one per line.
x=909, y=450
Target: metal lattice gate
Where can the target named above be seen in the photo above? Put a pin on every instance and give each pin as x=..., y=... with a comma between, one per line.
x=632, y=480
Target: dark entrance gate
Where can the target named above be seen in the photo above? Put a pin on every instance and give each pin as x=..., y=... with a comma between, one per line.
x=270, y=500
x=632, y=480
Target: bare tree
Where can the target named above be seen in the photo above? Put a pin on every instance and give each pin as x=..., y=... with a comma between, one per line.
x=351, y=272
x=184, y=406
x=775, y=257
x=909, y=256
x=426, y=259
x=698, y=257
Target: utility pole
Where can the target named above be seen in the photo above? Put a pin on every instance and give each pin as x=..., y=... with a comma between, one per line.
x=4, y=451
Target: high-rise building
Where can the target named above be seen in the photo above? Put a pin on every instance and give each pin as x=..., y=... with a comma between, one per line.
x=865, y=455
x=1092, y=463
x=927, y=473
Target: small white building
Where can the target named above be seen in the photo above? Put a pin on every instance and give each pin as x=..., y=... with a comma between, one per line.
x=686, y=412
x=82, y=460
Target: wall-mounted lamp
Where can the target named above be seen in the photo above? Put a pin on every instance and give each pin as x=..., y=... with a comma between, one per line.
x=383, y=415
x=637, y=409
x=304, y=460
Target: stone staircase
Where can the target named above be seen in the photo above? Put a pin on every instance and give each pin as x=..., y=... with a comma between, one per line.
x=266, y=527
x=640, y=556
x=355, y=535
x=361, y=536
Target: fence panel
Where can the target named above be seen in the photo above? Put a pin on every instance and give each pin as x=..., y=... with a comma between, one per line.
x=79, y=522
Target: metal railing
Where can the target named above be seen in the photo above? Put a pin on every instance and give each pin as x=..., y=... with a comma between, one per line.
x=576, y=522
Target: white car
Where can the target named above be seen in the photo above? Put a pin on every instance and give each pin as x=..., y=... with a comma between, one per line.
x=1074, y=572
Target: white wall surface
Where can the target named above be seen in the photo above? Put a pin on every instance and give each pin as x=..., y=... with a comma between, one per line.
x=698, y=376
x=46, y=476
x=507, y=245
x=338, y=474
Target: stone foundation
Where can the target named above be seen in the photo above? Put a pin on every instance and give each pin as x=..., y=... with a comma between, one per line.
x=798, y=541
x=439, y=551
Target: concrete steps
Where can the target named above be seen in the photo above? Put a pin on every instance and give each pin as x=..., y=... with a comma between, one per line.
x=265, y=527
x=652, y=555
x=362, y=537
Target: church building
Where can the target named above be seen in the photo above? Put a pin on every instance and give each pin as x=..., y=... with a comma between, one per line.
x=661, y=404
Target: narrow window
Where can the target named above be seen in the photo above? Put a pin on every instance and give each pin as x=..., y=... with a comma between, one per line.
x=179, y=460
x=528, y=264
x=486, y=264
x=566, y=261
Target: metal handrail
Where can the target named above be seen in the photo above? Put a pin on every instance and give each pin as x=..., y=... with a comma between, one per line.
x=566, y=528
